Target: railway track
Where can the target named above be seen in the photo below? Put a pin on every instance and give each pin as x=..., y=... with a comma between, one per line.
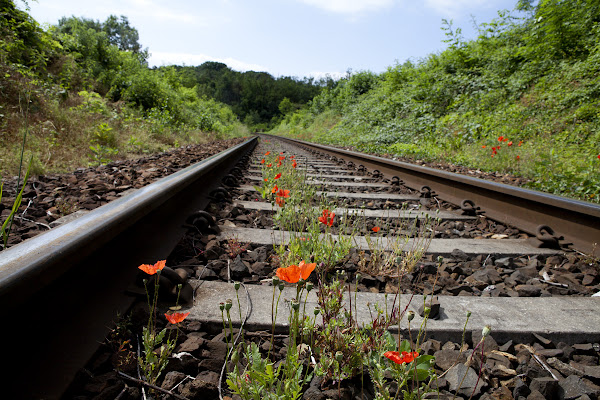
x=70, y=283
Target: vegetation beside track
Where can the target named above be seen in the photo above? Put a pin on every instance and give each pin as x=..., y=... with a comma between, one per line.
x=81, y=92
x=523, y=98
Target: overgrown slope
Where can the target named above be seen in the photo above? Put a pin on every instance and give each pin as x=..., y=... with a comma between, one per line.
x=523, y=98
x=81, y=93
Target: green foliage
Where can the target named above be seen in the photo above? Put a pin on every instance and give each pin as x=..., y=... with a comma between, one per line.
x=255, y=97
x=532, y=78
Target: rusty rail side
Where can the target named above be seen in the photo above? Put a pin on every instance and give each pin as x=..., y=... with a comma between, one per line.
x=577, y=221
x=61, y=290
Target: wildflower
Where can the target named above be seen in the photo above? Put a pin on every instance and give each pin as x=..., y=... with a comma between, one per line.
x=293, y=273
x=294, y=164
x=598, y=156
x=280, y=201
x=505, y=140
x=517, y=158
x=283, y=193
x=274, y=190
x=509, y=143
x=375, y=229
x=262, y=161
x=267, y=153
x=327, y=218
x=484, y=146
x=501, y=138
x=278, y=176
x=521, y=142
x=398, y=358
x=176, y=318
x=266, y=179
x=152, y=269
x=485, y=332
x=269, y=165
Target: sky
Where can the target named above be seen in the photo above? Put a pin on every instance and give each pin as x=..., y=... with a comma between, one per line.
x=298, y=38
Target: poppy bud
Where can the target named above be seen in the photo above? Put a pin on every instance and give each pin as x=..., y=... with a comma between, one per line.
x=221, y=306
x=295, y=305
x=426, y=311
x=316, y=311
x=410, y=316
x=275, y=281
x=339, y=356
x=309, y=286
x=236, y=285
x=440, y=259
x=228, y=304
x=485, y=332
x=281, y=286
x=358, y=276
x=468, y=314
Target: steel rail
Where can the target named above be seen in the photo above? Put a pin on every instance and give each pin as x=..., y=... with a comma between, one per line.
x=60, y=290
x=577, y=221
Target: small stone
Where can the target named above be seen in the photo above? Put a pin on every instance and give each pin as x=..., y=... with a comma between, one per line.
x=545, y=385
x=501, y=371
x=460, y=255
x=444, y=359
x=171, y=379
x=465, y=386
x=536, y=395
x=239, y=269
x=520, y=389
x=574, y=387
x=528, y=290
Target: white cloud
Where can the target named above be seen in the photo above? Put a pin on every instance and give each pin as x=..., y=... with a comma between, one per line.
x=349, y=6
x=160, y=58
x=454, y=8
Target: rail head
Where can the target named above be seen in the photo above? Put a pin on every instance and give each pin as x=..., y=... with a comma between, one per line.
x=36, y=262
x=578, y=222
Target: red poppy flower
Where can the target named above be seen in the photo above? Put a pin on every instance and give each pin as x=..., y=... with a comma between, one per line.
x=520, y=143
x=269, y=165
x=289, y=274
x=267, y=153
x=501, y=138
x=375, y=229
x=176, y=318
x=262, y=161
x=274, y=190
x=152, y=269
x=484, y=146
x=293, y=273
x=266, y=179
x=598, y=156
x=509, y=143
x=398, y=358
x=517, y=158
x=280, y=201
x=278, y=176
x=327, y=218
x=283, y=193
x=294, y=164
